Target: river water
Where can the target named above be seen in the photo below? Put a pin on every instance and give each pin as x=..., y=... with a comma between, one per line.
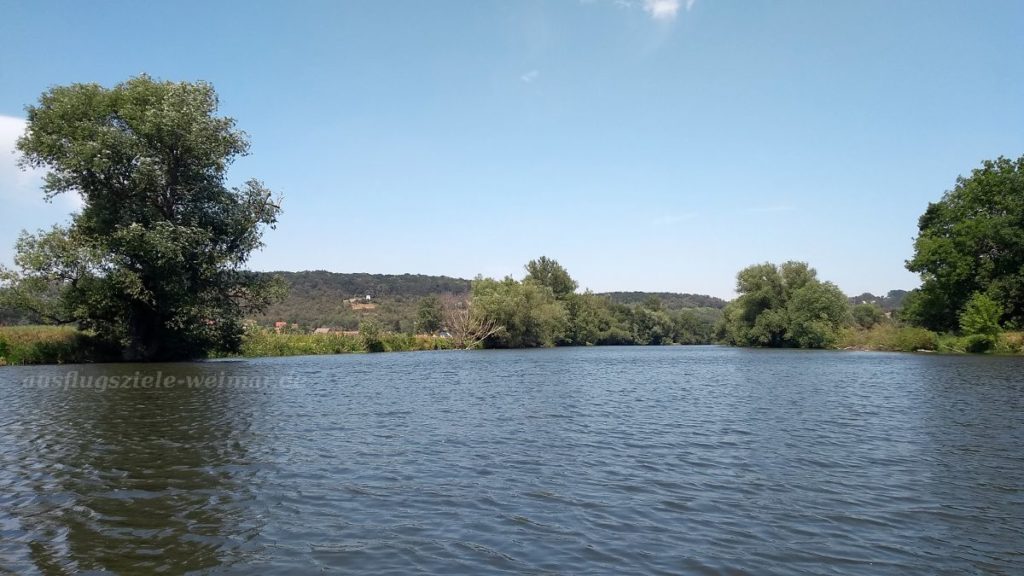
x=674, y=460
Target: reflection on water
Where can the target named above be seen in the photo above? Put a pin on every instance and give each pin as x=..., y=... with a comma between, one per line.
x=610, y=460
x=126, y=480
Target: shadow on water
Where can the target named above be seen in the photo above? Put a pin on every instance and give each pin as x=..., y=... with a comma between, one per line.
x=126, y=480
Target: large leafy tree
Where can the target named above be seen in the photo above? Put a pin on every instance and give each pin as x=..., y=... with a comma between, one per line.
x=971, y=241
x=153, y=262
x=784, y=306
x=527, y=312
x=549, y=273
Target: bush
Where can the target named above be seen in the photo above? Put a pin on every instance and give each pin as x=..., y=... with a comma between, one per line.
x=981, y=316
x=909, y=339
x=886, y=337
x=259, y=342
x=372, y=336
x=1010, y=343
x=980, y=343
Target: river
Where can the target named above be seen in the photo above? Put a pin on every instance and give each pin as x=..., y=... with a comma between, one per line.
x=618, y=460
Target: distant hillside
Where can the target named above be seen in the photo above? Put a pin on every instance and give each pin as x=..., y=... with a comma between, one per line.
x=669, y=300
x=337, y=300
x=891, y=301
x=318, y=283
x=320, y=298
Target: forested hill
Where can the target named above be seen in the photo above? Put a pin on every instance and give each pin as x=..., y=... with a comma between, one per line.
x=318, y=283
x=320, y=298
x=669, y=300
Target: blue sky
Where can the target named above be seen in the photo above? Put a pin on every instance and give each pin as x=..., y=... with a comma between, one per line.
x=646, y=145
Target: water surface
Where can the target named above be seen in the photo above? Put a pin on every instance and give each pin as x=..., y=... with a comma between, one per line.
x=676, y=460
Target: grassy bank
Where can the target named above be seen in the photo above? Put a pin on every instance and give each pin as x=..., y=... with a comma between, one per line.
x=20, y=345
x=887, y=337
x=893, y=338
x=63, y=345
x=47, y=345
x=260, y=342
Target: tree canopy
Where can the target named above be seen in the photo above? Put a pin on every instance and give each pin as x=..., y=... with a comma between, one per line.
x=153, y=261
x=784, y=306
x=545, y=310
x=971, y=241
x=550, y=274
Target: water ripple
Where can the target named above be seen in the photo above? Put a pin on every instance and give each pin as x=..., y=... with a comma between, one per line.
x=585, y=461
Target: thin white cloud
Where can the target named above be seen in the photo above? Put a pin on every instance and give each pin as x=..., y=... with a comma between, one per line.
x=658, y=10
x=12, y=178
x=22, y=187
x=530, y=77
x=663, y=10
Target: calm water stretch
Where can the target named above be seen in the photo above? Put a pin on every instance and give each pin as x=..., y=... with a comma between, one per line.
x=677, y=460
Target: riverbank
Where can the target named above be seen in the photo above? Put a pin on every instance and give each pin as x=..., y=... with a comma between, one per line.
x=47, y=345
x=260, y=342
x=891, y=338
x=24, y=345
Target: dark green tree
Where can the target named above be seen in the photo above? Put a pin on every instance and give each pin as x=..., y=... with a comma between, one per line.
x=527, y=313
x=784, y=306
x=868, y=315
x=551, y=274
x=153, y=262
x=429, y=315
x=971, y=241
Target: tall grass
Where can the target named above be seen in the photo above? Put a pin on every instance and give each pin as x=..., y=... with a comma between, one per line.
x=64, y=345
x=888, y=337
x=48, y=345
x=259, y=342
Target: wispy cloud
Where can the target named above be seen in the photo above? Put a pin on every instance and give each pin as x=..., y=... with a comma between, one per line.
x=12, y=178
x=19, y=186
x=658, y=10
x=530, y=77
x=662, y=10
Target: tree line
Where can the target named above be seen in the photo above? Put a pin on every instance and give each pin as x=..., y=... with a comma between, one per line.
x=544, y=308
x=153, y=264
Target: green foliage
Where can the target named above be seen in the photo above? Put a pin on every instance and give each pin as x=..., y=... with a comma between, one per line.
x=868, y=315
x=668, y=300
x=980, y=316
x=319, y=298
x=889, y=337
x=587, y=318
x=530, y=314
x=372, y=335
x=784, y=306
x=550, y=274
x=980, y=343
x=892, y=301
x=259, y=342
x=152, y=263
x=1010, y=343
x=912, y=339
x=429, y=315
x=527, y=311
x=971, y=241
x=49, y=345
